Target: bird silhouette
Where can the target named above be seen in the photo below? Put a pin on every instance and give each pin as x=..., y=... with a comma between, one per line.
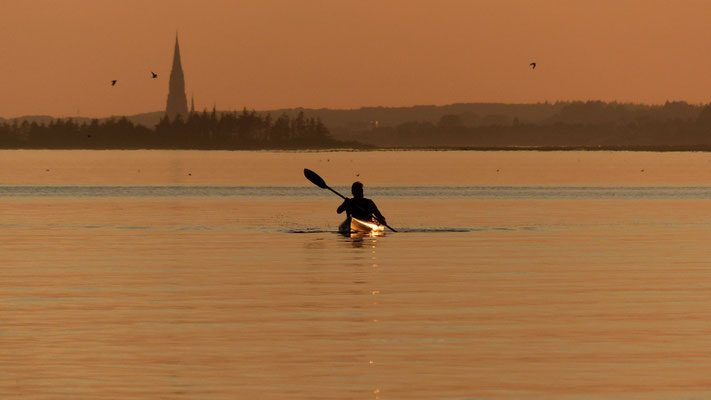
x=154, y=74
x=533, y=65
x=113, y=83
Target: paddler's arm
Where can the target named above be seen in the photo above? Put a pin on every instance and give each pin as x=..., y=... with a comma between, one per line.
x=343, y=207
x=377, y=213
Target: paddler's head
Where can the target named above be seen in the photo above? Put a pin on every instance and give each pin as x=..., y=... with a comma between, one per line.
x=357, y=190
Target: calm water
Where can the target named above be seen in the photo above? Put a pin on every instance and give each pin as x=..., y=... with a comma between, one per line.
x=219, y=275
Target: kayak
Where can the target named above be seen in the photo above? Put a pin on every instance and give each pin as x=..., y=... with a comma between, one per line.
x=354, y=225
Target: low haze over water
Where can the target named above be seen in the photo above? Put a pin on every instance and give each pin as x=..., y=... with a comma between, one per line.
x=220, y=275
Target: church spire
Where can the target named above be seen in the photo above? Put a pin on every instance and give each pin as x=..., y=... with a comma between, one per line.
x=177, y=100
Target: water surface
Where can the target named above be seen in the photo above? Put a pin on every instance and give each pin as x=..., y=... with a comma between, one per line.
x=219, y=275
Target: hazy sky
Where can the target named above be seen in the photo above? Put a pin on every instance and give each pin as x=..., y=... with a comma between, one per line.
x=58, y=57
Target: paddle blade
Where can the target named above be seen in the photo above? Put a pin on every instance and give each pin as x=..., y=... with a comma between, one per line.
x=315, y=179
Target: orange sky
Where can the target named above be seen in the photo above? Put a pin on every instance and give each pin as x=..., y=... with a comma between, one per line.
x=58, y=57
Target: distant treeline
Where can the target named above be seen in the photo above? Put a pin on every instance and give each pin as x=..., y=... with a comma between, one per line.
x=574, y=125
x=589, y=124
x=226, y=130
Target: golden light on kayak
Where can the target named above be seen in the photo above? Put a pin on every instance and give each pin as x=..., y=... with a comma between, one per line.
x=371, y=227
x=359, y=227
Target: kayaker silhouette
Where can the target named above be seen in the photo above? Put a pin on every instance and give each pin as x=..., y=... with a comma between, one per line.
x=360, y=207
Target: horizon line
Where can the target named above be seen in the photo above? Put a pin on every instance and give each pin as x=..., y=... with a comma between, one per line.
x=545, y=102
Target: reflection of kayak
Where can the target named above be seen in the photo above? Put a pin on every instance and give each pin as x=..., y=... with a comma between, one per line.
x=354, y=225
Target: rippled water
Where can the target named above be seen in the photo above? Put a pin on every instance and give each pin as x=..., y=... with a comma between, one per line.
x=234, y=284
x=436, y=192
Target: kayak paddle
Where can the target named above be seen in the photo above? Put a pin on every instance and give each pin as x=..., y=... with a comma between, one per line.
x=318, y=181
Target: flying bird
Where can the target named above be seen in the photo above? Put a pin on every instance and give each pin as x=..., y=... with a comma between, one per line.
x=154, y=74
x=113, y=83
x=533, y=65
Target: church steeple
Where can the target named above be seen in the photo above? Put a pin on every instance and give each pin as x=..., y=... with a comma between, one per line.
x=177, y=100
